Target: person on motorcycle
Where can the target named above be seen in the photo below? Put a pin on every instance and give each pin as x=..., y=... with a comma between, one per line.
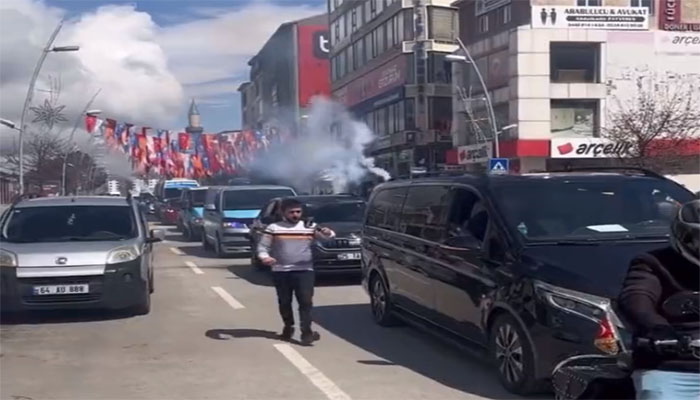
x=652, y=278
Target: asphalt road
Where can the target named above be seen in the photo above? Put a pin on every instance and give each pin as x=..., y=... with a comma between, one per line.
x=211, y=334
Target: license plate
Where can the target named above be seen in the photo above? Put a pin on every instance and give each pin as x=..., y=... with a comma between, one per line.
x=61, y=289
x=349, y=256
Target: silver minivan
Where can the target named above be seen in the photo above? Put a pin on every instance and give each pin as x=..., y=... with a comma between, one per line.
x=230, y=210
x=76, y=252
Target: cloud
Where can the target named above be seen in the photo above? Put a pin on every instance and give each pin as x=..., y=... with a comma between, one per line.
x=218, y=46
x=118, y=54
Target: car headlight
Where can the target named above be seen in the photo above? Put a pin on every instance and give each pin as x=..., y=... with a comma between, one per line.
x=585, y=305
x=8, y=259
x=123, y=254
x=236, y=225
x=354, y=240
x=197, y=221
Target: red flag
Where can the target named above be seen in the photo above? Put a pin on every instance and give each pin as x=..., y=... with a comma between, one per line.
x=90, y=123
x=183, y=141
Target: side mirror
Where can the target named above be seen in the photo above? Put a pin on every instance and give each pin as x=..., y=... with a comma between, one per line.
x=210, y=207
x=156, y=235
x=466, y=242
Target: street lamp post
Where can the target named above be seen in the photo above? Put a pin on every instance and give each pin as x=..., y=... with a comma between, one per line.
x=30, y=92
x=86, y=111
x=467, y=59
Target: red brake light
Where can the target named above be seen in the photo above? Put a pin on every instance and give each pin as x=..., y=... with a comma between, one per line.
x=606, y=341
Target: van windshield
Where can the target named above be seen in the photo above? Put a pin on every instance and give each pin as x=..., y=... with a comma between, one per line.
x=198, y=197
x=590, y=209
x=340, y=212
x=70, y=223
x=252, y=199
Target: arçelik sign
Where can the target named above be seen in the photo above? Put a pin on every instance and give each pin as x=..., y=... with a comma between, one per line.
x=475, y=153
x=588, y=148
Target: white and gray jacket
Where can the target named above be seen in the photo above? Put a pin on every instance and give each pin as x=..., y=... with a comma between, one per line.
x=290, y=244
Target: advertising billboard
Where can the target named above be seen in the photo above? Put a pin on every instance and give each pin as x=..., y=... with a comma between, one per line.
x=314, y=65
x=679, y=15
x=376, y=82
x=610, y=18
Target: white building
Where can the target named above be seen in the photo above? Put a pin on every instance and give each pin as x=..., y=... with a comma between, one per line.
x=559, y=68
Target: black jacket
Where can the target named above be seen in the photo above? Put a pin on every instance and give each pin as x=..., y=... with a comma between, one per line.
x=651, y=279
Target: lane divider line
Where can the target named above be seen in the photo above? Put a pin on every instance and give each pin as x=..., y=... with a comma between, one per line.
x=321, y=381
x=230, y=300
x=177, y=251
x=194, y=267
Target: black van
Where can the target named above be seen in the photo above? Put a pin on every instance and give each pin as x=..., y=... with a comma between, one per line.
x=526, y=267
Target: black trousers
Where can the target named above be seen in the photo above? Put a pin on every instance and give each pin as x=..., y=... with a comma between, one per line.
x=301, y=285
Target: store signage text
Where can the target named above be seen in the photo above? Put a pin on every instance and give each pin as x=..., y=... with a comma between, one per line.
x=589, y=148
x=611, y=18
x=476, y=153
x=671, y=18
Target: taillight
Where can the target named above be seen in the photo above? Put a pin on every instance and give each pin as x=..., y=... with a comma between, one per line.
x=606, y=340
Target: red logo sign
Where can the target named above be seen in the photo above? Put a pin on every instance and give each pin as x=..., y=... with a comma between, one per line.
x=565, y=148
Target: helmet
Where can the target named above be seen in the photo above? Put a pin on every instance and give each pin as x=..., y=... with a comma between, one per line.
x=685, y=231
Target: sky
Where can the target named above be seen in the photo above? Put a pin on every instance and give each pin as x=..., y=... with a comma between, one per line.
x=147, y=58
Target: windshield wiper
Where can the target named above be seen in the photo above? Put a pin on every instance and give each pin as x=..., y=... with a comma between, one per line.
x=566, y=242
x=92, y=238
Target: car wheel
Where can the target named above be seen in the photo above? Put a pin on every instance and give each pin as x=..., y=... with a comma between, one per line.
x=205, y=242
x=217, y=248
x=151, y=282
x=380, y=302
x=144, y=307
x=513, y=356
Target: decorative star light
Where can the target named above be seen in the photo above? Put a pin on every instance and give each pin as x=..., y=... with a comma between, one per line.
x=48, y=114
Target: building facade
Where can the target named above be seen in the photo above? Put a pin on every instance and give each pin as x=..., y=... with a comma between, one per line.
x=290, y=69
x=388, y=67
x=559, y=69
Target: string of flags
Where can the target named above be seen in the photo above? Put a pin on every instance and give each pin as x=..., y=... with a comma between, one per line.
x=180, y=154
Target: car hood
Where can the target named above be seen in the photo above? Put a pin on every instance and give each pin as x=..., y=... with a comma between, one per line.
x=595, y=269
x=76, y=253
x=343, y=229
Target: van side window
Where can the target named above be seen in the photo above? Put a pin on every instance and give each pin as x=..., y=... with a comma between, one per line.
x=425, y=212
x=217, y=200
x=385, y=209
x=468, y=215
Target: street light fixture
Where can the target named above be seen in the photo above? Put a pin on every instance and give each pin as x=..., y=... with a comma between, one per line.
x=49, y=48
x=467, y=59
x=9, y=124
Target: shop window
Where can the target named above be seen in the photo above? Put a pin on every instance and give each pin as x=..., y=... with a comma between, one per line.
x=369, y=46
x=439, y=70
x=506, y=14
x=440, y=114
x=379, y=39
x=350, y=58
x=643, y=3
x=359, y=53
x=408, y=25
x=390, y=33
x=483, y=23
x=574, y=62
x=410, y=114
x=391, y=119
x=574, y=118
x=589, y=3
x=443, y=23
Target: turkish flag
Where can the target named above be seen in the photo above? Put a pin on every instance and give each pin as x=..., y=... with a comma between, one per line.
x=183, y=141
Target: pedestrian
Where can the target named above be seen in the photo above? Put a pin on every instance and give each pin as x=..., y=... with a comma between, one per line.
x=285, y=247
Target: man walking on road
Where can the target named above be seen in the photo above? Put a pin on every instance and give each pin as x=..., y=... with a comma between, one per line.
x=286, y=247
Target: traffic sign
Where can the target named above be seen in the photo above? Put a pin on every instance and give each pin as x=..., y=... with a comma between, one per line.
x=498, y=166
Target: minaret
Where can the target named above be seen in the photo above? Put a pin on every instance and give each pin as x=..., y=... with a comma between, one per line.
x=193, y=118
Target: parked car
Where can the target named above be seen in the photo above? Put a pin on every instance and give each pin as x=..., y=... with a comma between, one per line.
x=77, y=252
x=344, y=214
x=521, y=266
x=167, y=193
x=190, y=218
x=230, y=210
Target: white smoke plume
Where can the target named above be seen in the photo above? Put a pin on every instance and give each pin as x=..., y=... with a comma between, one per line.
x=332, y=146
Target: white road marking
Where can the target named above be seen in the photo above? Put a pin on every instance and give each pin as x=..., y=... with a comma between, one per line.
x=235, y=304
x=316, y=377
x=177, y=251
x=194, y=267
